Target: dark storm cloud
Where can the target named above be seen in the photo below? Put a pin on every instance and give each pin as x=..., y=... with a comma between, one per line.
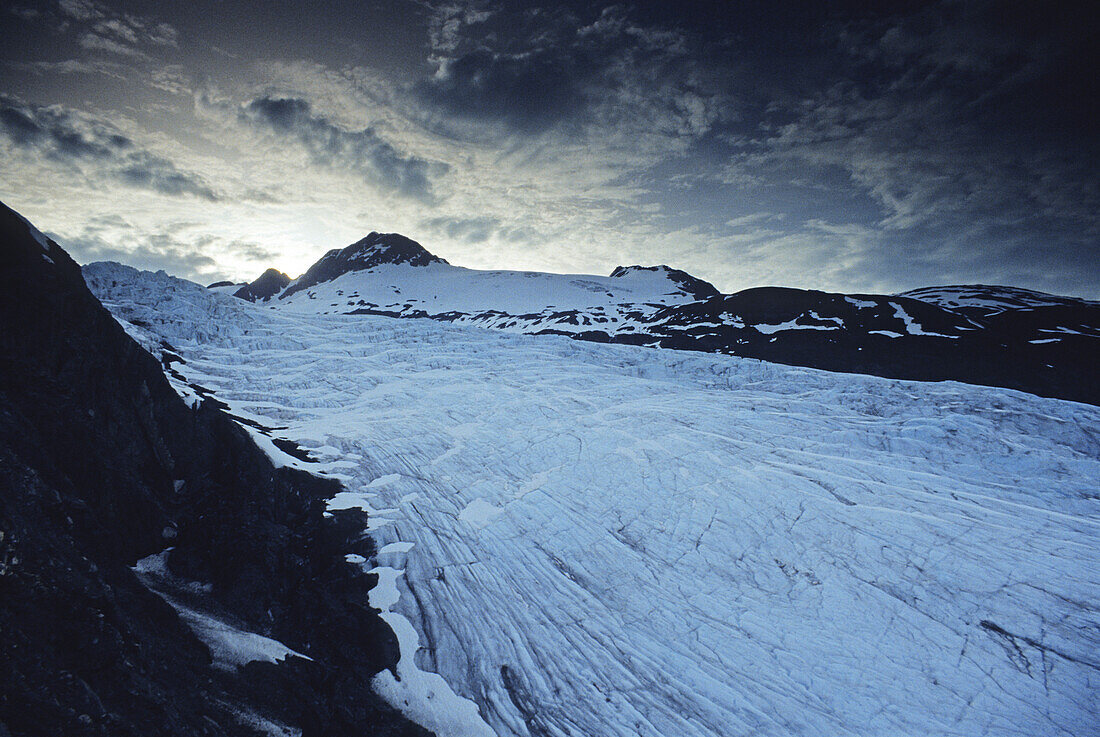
x=536, y=68
x=848, y=145
x=1013, y=64
x=145, y=170
x=942, y=142
x=56, y=134
x=362, y=151
x=529, y=92
x=531, y=78
x=930, y=114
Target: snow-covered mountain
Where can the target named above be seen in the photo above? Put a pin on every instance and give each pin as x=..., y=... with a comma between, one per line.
x=984, y=300
x=586, y=539
x=377, y=249
x=565, y=538
x=997, y=336
x=393, y=275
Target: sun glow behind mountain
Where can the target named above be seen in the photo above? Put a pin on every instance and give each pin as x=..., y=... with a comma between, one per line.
x=837, y=148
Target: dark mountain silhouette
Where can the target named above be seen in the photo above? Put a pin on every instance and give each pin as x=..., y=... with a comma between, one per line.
x=266, y=286
x=101, y=465
x=984, y=300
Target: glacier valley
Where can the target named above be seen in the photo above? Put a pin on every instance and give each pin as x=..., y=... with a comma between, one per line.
x=587, y=539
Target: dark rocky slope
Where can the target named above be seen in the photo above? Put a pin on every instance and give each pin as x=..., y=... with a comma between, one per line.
x=1050, y=350
x=266, y=286
x=102, y=464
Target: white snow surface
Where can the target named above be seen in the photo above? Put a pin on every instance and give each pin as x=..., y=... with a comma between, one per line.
x=441, y=287
x=520, y=301
x=793, y=324
x=686, y=544
x=912, y=326
x=229, y=289
x=230, y=646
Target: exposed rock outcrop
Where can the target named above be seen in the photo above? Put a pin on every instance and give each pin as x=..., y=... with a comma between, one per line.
x=266, y=286
x=102, y=464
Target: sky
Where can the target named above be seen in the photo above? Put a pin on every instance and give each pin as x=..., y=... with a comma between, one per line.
x=844, y=146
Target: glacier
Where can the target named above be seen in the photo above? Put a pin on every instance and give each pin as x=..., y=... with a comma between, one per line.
x=589, y=539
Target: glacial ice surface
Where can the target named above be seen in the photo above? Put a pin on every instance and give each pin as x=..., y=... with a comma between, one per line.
x=609, y=540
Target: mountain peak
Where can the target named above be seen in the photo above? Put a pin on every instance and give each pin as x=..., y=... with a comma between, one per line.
x=374, y=250
x=266, y=286
x=386, y=248
x=686, y=282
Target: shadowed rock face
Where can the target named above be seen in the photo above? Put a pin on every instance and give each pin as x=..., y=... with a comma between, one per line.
x=102, y=464
x=374, y=250
x=266, y=286
x=984, y=300
x=1050, y=349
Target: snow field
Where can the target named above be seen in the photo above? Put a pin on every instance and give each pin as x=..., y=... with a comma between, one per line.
x=437, y=288
x=606, y=540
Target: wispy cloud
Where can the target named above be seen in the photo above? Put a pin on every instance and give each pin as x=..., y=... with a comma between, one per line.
x=538, y=69
x=193, y=258
x=363, y=151
x=82, y=10
x=102, y=29
x=175, y=247
x=24, y=12
x=100, y=149
x=104, y=67
x=939, y=141
x=96, y=42
x=470, y=230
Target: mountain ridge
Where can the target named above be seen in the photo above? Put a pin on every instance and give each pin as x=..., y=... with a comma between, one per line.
x=692, y=285
x=538, y=504
x=982, y=334
x=989, y=299
x=368, y=252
